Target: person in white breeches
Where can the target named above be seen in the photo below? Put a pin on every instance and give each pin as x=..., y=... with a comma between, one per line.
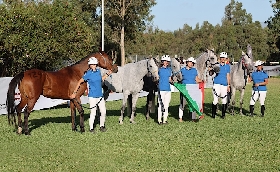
x=164, y=95
x=221, y=86
x=94, y=79
x=260, y=80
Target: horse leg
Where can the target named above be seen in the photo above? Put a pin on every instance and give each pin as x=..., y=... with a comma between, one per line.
x=27, y=111
x=241, y=100
x=149, y=104
x=73, y=115
x=79, y=107
x=125, y=96
x=19, y=108
x=134, y=101
x=232, y=100
x=129, y=105
x=147, y=111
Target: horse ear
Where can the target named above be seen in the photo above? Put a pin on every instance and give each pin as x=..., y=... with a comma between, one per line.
x=249, y=51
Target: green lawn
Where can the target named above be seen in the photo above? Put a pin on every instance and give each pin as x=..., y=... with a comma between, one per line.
x=237, y=143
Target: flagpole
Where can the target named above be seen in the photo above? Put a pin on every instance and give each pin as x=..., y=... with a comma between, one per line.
x=102, y=29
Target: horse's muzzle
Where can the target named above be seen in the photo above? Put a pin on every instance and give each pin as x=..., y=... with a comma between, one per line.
x=115, y=68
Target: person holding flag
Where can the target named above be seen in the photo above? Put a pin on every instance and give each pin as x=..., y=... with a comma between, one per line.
x=190, y=78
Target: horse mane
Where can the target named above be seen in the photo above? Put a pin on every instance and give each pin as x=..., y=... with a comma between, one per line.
x=88, y=56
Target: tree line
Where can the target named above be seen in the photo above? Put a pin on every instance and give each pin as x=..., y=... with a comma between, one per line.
x=50, y=34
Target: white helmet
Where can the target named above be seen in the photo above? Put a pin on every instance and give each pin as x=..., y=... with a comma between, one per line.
x=258, y=63
x=191, y=59
x=165, y=58
x=223, y=54
x=92, y=60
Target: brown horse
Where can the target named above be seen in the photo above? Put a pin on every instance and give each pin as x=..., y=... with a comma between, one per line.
x=57, y=85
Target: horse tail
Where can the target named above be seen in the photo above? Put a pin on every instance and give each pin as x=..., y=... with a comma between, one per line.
x=10, y=101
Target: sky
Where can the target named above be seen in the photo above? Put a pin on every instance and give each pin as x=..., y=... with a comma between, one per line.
x=171, y=15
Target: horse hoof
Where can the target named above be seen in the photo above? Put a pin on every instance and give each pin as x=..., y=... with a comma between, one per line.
x=121, y=122
x=27, y=133
x=74, y=130
x=19, y=131
x=132, y=122
x=147, y=117
x=82, y=130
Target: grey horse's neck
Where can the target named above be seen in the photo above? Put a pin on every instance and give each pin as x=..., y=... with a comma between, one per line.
x=142, y=68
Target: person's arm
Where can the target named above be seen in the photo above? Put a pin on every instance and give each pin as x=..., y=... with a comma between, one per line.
x=249, y=79
x=262, y=83
x=73, y=95
x=198, y=80
x=106, y=75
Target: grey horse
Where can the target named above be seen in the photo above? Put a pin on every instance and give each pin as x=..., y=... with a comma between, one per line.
x=129, y=81
x=238, y=77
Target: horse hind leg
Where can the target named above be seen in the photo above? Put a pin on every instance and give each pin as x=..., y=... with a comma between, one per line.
x=232, y=101
x=241, y=101
x=27, y=111
x=19, y=107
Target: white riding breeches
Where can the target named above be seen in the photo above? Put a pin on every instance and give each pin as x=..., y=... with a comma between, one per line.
x=219, y=91
x=165, y=98
x=258, y=95
x=102, y=108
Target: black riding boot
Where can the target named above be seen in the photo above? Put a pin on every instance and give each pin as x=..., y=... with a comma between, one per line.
x=224, y=110
x=262, y=110
x=252, y=110
x=214, y=108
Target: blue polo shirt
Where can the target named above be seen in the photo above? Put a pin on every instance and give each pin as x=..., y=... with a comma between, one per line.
x=258, y=77
x=164, y=74
x=221, y=77
x=189, y=75
x=94, y=81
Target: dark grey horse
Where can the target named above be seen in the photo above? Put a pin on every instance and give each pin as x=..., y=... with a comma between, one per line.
x=238, y=77
x=152, y=87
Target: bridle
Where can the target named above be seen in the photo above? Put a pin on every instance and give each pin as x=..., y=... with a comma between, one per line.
x=106, y=60
x=149, y=71
x=174, y=73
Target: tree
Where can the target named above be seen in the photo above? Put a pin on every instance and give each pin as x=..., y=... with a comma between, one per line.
x=42, y=35
x=126, y=18
x=273, y=23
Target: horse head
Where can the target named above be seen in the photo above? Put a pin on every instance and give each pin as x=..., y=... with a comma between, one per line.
x=152, y=66
x=105, y=61
x=212, y=62
x=247, y=63
x=175, y=68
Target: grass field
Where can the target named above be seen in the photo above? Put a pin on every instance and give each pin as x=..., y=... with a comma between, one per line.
x=237, y=143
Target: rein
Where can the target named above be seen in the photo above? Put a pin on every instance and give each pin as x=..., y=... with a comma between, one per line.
x=216, y=94
x=258, y=91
